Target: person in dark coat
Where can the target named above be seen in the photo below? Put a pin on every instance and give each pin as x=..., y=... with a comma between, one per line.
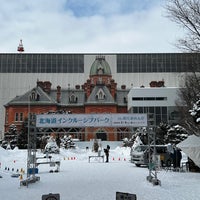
x=177, y=156
x=106, y=151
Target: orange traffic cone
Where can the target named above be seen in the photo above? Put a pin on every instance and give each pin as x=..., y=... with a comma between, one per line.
x=21, y=177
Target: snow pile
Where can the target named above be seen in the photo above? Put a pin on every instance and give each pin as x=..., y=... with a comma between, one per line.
x=3, y=153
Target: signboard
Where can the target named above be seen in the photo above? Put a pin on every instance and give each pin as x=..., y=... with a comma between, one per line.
x=51, y=196
x=129, y=120
x=125, y=196
x=91, y=120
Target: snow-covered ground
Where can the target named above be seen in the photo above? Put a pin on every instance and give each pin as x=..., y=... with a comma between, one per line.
x=78, y=179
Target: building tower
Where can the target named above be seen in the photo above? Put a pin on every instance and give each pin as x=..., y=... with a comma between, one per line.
x=20, y=48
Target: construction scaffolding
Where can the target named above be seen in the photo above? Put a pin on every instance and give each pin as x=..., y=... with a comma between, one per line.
x=34, y=131
x=152, y=157
x=31, y=153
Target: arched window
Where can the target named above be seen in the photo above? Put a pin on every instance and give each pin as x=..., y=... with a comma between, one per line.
x=34, y=96
x=73, y=99
x=100, y=71
x=100, y=95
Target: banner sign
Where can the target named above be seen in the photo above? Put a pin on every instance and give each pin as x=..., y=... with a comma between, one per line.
x=91, y=120
x=125, y=196
x=51, y=196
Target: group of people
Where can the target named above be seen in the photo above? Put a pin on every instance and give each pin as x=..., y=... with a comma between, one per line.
x=106, y=151
x=176, y=156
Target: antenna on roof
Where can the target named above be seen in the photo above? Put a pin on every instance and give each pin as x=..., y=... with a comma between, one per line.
x=20, y=48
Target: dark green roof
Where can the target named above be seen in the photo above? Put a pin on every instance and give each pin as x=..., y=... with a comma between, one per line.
x=100, y=66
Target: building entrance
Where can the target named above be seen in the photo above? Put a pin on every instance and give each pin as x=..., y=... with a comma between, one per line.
x=101, y=135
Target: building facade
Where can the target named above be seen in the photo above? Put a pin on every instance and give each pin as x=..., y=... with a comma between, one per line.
x=99, y=94
x=19, y=73
x=158, y=102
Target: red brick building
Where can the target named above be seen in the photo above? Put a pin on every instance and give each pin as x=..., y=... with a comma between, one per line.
x=99, y=94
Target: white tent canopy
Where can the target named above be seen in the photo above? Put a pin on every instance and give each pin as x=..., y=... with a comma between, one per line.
x=191, y=147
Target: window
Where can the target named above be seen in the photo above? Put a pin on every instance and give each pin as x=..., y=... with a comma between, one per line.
x=141, y=110
x=41, y=63
x=73, y=99
x=21, y=117
x=137, y=98
x=155, y=114
x=100, y=95
x=6, y=117
x=16, y=117
x=161, y=98
x=33, y=96
x=135, y=109
x=100, y=71
x=162, y=62
x=149, y=98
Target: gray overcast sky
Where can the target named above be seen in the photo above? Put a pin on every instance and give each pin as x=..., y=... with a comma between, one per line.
x=87, y=26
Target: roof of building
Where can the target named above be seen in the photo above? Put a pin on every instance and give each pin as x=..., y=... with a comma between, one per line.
x=100, y=66
x=70, y=97
x=34, y=96
x=100, y=95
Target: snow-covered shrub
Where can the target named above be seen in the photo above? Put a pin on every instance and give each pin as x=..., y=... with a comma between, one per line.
x=51, y=146
x=195, y=112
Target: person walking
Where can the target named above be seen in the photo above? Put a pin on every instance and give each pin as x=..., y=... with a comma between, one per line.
x=106, y=151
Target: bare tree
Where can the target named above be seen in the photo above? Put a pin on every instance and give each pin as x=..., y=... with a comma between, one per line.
x=186, y=13
x=188, y=96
